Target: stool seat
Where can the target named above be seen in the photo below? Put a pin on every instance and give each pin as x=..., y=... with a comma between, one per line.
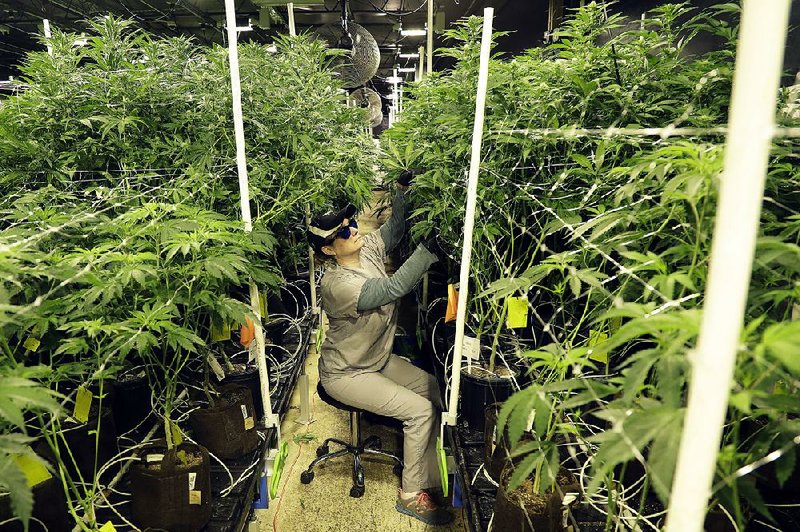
x=356, y=448
x=333, y=402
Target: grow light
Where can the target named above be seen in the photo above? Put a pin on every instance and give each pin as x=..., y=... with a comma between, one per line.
x=410, y=55
x=414, y=33
x=407, y=69
x=394, y=80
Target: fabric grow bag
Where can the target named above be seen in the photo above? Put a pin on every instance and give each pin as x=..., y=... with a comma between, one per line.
x=531, y=512
x=169, y=495
x=228, y=428
x=132, y=402
x=49, y=507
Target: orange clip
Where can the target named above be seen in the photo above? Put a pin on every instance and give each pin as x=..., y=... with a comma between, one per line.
x=247, y=333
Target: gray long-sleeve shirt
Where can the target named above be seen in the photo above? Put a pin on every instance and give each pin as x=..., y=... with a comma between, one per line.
x=361, y=303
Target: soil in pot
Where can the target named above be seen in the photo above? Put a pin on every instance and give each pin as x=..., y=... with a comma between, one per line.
x=227, y=429
x=132, y=402
x=479, y=388
x=171, y=490
x=524, y=510
x=49, y=507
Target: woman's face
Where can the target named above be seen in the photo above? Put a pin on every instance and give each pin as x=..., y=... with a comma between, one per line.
x=343, y=248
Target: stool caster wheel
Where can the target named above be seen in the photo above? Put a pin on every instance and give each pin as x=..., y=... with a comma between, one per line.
x=322, y=450
x=306, y=477
x=397, y=470
x=357, y=491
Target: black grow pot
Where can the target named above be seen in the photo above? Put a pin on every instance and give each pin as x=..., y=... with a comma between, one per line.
x=79, y=443
x=247, y=376
x=296, y=294
x=495, y=442
x=480, y=388
x=168, y=493
x=227, y=429
x=132, y=401
x=49, y=509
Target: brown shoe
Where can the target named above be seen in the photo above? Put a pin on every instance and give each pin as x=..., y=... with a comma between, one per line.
x=423, y=507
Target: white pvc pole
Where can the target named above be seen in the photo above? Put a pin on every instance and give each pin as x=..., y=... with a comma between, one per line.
x=48, y=34
x=290, y=9
x=312, y=278
x=430, y=37
x=421, y=70
x=759, y=60
x=270, y=419
x=469, y=223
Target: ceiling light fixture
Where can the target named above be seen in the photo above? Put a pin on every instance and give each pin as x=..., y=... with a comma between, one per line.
x=409, y=56
x=407, y=69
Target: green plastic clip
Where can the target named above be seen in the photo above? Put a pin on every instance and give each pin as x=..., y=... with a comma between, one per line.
x=442, y=466
x=277, y=470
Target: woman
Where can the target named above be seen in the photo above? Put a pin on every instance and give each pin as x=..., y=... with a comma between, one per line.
x=357, y=366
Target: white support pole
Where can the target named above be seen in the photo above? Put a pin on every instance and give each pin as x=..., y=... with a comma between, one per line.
x=48, y=35
x=290, y=9
x=430, y=37
x=759, y=60
x=421, y=70
x=270, y=419
x=312, y=268
x=449, y=418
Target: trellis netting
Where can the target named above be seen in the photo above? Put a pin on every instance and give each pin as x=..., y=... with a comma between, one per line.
x=598, y=186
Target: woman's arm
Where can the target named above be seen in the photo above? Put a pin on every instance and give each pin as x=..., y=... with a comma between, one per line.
x=392, y=231
x=379, y=291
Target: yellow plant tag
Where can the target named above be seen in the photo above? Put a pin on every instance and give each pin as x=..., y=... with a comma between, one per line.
x=32, y=344
x=597, y=338
x=108, y=527
x=249, y=423
x=614, y=324
x=177, y=435
x=83, y=402
x=195, y=497
x=517, y=312
x=33, y=468
x=220, y=331
x=452, y=304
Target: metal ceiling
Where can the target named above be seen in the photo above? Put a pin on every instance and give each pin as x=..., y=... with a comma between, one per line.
x=21, y=20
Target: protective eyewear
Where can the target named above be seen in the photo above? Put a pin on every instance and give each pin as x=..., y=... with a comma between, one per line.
x=344, y=232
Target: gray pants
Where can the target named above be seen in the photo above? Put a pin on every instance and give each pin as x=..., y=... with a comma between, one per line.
x=403, y=391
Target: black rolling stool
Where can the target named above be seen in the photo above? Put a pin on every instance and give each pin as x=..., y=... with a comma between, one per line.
x=356, y=447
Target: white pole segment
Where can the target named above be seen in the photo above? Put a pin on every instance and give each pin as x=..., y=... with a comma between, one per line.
x=421, y=52
x=430, y=37
x=449, y=418
x=290, y=9
x=759, y=60
x=270, y=420
x=312, y=278
x=48, y=34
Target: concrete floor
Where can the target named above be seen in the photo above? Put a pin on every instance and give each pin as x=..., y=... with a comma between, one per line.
x=325, y=504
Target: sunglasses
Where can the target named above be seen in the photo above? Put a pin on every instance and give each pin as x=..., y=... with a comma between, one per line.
x=343, y=232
